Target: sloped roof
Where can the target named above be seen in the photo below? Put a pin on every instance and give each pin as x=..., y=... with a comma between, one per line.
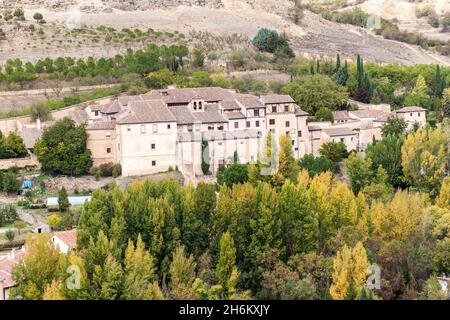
x=229, y=105
x=185, y=95
x=110, y=108
x=210, y=114
x=366, y=114
x=410, y=109
x=300, y=112
x=69, y=237
x=234, y=115
x=79, y=116
x=149, y=111
x=101, y=125
x=249, y=101
x=341, y=115
x=182, y=114
x=334, y=132
x=276, y=98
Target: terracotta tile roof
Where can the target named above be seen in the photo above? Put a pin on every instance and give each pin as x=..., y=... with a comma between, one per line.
x=101, y=125
x=148, y=111
x=211, y=114
x=182, y=114
x=234, y=115
x=366, y=114
x=6, y=266
x=334, y=132
x=110, y=108
x=300, y=112
x=69, y=237
x=341, y=115
x=185, y=95
x=277, y=98
x=249, y=101
x=79, y=116
x=409, y=109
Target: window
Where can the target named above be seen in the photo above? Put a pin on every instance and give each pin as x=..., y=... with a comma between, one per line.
x=153, y=146
x=257, y=124
x=189, y=128
x=236, y=125
x=271, y=121
x=219, y=144
x=299, y=133
x=287, y=124
x=153, y=163
x=342, y=139
x=211, y=127
x=256, y=113
x=143, y=128
x=129, y=129
x=155, y=128
x=248, y=124
x=96, y=112
x=274, y=109
x=108, y=135
x=195, y=105
x=418, y=113
x=410, y=114
x=220, y=127
x=293, y=142
x=287, y=133
x=108, y=150
x=286, y=108
x=168, y=126
x=351, y=138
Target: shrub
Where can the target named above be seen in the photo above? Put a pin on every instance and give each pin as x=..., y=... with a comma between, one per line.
x=10, y=235
x=8, y=214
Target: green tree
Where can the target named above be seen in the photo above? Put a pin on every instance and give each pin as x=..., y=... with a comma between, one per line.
x=140, y=278
x=359, y=171
x=419, y=94
x=394, y=126
x=315, y=165
x=335, y=151
x=63, y=149
x=287, y=168
x=40, y=266
x=232, y=174
x=387, y=153
x=226, y=270
x=315, y=92
x=182, y=275
x=63, y=200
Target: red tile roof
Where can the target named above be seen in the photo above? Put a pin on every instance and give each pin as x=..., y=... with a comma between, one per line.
x=69, y=237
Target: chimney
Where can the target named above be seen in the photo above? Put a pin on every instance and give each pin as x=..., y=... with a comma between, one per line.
x=38, y=124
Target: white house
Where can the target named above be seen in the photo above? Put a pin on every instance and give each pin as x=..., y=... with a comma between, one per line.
x=65, y=241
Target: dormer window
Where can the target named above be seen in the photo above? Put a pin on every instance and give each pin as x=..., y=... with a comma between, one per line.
x=195, y=105
x=199, y=105
x=164, y=93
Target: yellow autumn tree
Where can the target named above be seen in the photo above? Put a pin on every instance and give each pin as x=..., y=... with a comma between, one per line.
x=398, y=218
x=443, y=200
x=319, y=199
x=349, y=272
x=424, y=158
x=53, y=291
x=343, y=205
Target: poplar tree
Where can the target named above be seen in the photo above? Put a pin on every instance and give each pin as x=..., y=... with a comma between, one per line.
x=226, y=270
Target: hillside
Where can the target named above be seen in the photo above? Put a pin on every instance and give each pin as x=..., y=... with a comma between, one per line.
x=311, y=36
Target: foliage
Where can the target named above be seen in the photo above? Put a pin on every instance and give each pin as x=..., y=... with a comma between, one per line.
x=394, y=126
x=425, y=158
x=334, y=151
x=315, y=165
x=232, y=174
x=62, y=149
x=315, y=92
x=12, y=146
x=8, y=214
x=270, y=41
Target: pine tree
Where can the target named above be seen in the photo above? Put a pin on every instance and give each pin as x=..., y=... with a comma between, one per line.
x=63, y=200
x=226, y=271
x=140, y=279
x=287, y=166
